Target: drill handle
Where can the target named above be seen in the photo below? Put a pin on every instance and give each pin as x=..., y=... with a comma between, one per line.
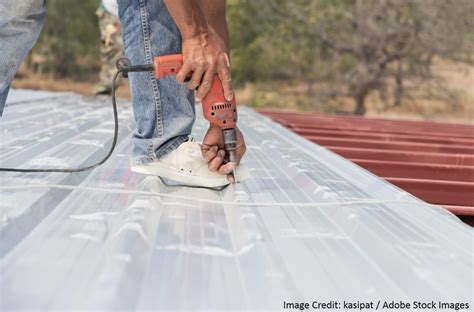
x=217, y=110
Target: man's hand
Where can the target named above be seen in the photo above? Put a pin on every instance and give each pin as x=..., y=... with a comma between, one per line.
x=213, y=151
x=205, y=56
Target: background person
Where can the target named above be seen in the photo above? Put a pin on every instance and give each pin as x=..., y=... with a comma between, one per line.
x=111, y=45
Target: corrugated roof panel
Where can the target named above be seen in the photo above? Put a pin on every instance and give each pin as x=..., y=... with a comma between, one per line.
x=434, y=161
x=308, y=225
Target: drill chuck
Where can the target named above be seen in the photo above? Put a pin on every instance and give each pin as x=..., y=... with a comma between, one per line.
x=230, y=143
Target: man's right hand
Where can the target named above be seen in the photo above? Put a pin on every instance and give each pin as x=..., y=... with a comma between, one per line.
x=205, y=56
x=205, y=44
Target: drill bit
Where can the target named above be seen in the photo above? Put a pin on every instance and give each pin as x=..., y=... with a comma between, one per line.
x=232, y=159
x=230, y=145
x=235, y=176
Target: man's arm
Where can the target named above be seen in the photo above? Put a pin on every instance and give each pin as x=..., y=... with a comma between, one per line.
x=214, y=12
x=205, y=51
x=187, y=14
x=205, y=43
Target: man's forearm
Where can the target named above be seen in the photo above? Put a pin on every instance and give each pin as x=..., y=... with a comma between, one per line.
x=195, y=18
x=188, y=16
x=214, y=12
x=205, y=44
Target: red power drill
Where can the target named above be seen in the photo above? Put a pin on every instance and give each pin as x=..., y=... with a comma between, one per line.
x=217, y=110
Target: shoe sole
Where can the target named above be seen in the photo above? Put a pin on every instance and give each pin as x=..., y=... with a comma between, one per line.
x=165, y=172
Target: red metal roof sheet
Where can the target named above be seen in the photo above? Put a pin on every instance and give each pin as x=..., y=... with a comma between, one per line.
x=433, y=161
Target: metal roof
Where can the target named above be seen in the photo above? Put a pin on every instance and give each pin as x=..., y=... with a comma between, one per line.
x=432, y=160
x=308, y=225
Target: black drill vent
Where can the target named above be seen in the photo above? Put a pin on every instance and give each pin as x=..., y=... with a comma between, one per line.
x=221, y=106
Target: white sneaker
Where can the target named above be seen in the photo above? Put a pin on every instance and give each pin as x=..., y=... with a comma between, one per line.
x=185, y=165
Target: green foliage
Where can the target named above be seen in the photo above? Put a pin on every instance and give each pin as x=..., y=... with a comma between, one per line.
x=70, y=39
x=267, y=45
x=359, y=46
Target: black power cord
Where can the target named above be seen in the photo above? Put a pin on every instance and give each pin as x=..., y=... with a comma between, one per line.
x=123, y=67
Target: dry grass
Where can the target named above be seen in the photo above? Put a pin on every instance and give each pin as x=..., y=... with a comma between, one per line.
x=426, y=102
x=37, y=82
x=457, y=106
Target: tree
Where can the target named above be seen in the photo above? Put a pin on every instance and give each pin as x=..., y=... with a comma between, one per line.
x=361, y=44
x=69, y=42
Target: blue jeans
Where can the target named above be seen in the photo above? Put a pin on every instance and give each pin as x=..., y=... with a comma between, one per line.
x=20, y=25
x=164, y=110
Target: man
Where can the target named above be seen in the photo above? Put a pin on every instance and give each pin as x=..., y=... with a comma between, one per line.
x=111, y=45
x=163, y=109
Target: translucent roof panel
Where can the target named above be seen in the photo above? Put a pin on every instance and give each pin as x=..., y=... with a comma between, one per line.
x=308, y=225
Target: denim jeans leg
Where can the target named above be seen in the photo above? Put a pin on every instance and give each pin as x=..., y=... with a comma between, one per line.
x=20, y=25
x=163, y=109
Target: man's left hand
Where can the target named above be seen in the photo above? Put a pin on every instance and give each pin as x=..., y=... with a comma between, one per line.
x=213, y=151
